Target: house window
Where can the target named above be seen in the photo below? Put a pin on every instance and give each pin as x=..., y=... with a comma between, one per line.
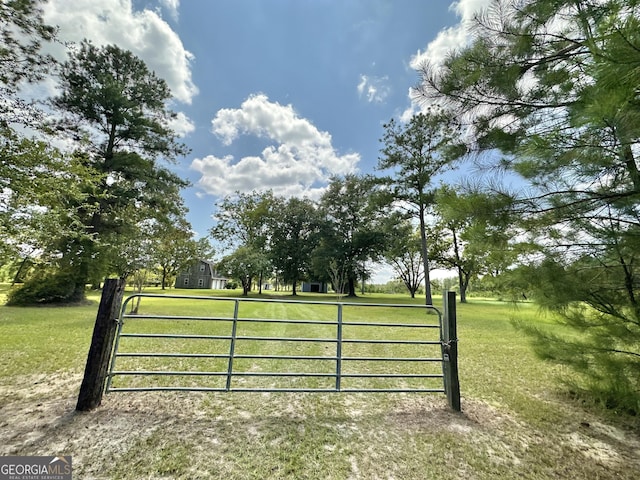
x=202, y=267
x=186, y=281
x=201, y=282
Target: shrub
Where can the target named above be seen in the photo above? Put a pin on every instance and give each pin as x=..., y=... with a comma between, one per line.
x=48, y=288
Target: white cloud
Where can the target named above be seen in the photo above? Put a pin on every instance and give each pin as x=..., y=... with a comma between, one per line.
x=447, y=41
x=172, y=7
x=437, y=51
x=374, y=89
x=451, y=38
x=381, y=273
x=182, y=125
x=466, y=9
x=409, y=112
x=143, y=32
x=299, y=163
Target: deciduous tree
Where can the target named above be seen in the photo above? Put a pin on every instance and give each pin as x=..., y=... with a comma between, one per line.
x=295, y=226
x=176, y=248
x=353, y=233
x=242, y=220
x=244, y=264
x=404, y=252
x=475, y=235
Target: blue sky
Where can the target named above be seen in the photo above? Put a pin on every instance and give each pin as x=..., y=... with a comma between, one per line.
x=276, y=94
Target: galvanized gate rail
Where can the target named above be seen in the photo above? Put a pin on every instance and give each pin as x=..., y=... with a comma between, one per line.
x=338, y=373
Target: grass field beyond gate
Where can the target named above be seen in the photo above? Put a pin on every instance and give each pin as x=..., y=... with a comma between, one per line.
x=383, y=347
x=517, y=422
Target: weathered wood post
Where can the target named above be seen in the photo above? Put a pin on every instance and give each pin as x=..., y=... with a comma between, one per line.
x=104, y=331
x=450, y=351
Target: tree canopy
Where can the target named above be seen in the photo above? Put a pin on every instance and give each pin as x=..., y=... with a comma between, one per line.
x=22, y=34
x=404, y=252
x=116, y=108
x=353, y=231
x=295, y=228
x=554, y=87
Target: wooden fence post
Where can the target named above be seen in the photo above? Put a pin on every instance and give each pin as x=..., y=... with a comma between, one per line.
x=450, y=351
x=104, y=331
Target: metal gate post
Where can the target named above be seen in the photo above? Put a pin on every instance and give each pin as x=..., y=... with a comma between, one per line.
x=339, y=349
x=104, y=331
x=450, y=352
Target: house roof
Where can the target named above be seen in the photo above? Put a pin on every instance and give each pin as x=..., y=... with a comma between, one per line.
x=212, y=266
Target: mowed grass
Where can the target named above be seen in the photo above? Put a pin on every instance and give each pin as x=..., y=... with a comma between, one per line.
x=517, y=421
x=280, y=328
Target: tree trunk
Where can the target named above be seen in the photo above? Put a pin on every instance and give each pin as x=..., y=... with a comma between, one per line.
x=81, y=277
x=463, y=283
x=352, y=287
x=78, y=292
x=16, y=278
x=463, y=277
x=134, y=309
x=632, y=167
x=425, y=258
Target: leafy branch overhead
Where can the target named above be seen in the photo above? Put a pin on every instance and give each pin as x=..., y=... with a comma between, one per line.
x=553, y=87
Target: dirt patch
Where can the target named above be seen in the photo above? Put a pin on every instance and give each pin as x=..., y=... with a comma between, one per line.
x=38, y=417
x=605, y=444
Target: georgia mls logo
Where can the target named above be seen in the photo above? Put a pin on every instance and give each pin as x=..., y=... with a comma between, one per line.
x=35, y=468
x=60, y=463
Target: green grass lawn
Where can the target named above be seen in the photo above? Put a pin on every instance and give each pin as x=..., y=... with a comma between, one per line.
x=517, y=421
x=281, y=319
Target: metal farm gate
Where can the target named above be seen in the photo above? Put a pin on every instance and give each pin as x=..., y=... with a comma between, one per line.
x=187, y=343
x=191, y=343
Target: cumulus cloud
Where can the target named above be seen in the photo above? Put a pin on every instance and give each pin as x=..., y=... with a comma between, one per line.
x=447, y=40
x=409, y=112
x=374, y=89
x=172, y=7
x=143, y=32
x=182, y=125
x=299, y=162
x=451, y=38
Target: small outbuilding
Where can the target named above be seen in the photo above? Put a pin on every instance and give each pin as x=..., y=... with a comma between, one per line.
x=314, y=287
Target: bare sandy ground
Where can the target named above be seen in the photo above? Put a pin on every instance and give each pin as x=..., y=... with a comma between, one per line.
x=38, y=417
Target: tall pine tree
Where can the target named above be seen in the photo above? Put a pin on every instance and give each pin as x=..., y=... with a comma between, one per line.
x=554, y=86
x=117, y=110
